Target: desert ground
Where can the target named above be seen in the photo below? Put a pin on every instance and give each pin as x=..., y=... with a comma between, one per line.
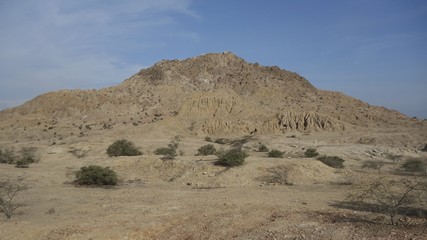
x=191, y=198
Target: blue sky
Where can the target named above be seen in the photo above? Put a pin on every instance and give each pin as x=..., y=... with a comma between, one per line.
x=374, y=50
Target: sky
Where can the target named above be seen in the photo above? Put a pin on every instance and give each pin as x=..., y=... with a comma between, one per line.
x=374, y=50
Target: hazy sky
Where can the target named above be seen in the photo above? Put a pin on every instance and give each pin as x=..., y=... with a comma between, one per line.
x=374, y=50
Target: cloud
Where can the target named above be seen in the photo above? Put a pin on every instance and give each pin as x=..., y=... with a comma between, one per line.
x=48, y=45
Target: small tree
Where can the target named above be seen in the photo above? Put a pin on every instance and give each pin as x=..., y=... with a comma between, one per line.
x=388, y=196
x=377, y=165
x=96, y=175
x=9, y=189
x=276, y=153
x=123, y=147
x=232, y=158
x=206, y=150
x=311, y=152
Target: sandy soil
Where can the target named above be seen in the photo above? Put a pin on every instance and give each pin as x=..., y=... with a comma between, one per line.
x=190, y=198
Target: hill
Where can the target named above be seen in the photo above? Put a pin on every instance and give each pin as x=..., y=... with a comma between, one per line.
x=212, y=94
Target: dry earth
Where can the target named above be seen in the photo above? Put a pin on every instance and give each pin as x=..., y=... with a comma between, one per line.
x=217, y=95
x=190, y=198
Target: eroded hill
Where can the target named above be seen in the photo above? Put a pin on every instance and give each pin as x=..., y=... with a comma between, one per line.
x=215, y=94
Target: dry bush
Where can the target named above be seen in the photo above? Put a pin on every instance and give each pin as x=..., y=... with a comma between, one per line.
x=206, y=150
x=275, y=153
x=415, y=165
x=311, y=152
x=9, y=190
x=377, y=165
x=7, y=156
x=262, y=148
x=279, y=175
x=390, y=197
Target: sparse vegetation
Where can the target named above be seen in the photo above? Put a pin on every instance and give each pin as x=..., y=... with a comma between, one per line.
x=262, y=148
x=28, y=156
x=311, y=152
x=332, y=161
x=424, y=149
x=167, y=152
x=123, y=147
x=415, y=165
x=388, y=196
x=221, y=140
x=377, y=165
x=9, y=190
x=232, y=158
x=274, y=153
x=206, y=150
x=238, y=143
x=7, y=156
x=96, y=175
x=208, y=139
x=279, y=175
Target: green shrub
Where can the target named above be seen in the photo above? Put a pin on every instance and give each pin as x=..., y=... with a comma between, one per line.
x=311, y=152
x=275, y=153
x=332, y=161
x=262, y=148
x=167, y=152
x=7, y=156
x=232, y=158
x=206, y=150
x=414, y=165
x=96, y=175
x=123, y=148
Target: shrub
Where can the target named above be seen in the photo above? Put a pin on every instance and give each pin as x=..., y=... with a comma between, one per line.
x=311, y=152
x=208, y=139
x=221, y=141
x=167, y=152
x=275, y=153
x=232, y=158
x=206, y=150
x=9, y=189
x=414, y=165
x=424, y=149
x=262, y=148
x=7, y=156
x=123, y=148
x=28, y=156
x=96, y=175
x=388, y=196
x=332, y=161
x=377, y=165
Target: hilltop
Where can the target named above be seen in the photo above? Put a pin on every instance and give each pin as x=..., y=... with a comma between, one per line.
x=212, y=94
